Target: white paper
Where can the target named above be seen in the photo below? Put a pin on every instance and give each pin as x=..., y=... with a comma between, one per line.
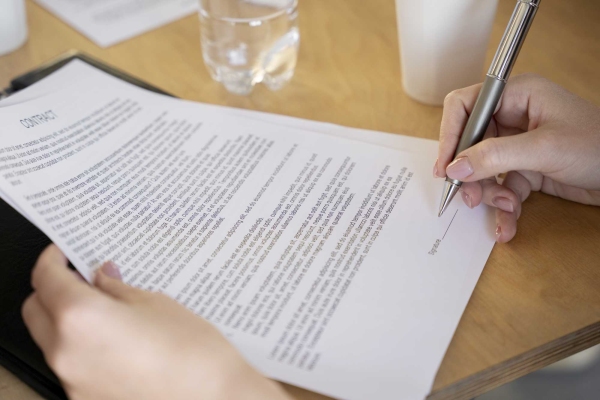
x=378, y=330
x=108, y=22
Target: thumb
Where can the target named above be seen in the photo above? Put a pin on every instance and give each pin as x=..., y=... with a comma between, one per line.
x=108, y=279
x=495, y=156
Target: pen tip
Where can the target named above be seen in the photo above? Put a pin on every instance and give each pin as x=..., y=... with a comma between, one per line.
x=443, y=208
x=450, y=191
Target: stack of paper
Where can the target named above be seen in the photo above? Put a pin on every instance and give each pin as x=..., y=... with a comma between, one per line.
x=316, y=249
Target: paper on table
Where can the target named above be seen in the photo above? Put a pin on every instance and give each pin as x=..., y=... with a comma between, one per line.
x=108, y=22
x=377, y=328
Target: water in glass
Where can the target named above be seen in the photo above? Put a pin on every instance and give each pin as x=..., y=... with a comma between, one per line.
x=246, y=42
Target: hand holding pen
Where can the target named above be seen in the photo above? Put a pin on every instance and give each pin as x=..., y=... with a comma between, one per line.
x=559, y=152
x=544, y=137
x=491, y=91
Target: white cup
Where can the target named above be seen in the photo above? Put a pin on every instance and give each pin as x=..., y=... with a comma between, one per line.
x=13, y=25
x=443, y=44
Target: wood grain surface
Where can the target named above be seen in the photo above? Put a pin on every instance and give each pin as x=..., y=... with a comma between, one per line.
x=538, y=299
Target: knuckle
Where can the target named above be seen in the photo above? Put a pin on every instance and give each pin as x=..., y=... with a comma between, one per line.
x=74, y=317
x=451, y=97
x=68, y=318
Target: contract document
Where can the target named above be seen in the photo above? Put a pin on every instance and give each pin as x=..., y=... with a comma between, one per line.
x=108, y=22
x=319, y=255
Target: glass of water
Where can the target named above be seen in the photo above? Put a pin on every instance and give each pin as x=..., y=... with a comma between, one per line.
x=246, y=42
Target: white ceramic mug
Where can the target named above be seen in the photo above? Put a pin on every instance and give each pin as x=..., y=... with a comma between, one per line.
x=443, y=44
x=13, y=25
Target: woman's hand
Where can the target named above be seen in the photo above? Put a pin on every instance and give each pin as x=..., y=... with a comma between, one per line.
x=542, y=136
x=116, y=342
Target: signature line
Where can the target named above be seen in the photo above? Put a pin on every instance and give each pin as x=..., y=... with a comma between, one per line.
x=447, y=229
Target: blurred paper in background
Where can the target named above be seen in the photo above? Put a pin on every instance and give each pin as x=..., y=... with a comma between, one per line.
x=108, y=22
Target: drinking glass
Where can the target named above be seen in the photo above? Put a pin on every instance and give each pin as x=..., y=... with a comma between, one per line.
x=246, y=42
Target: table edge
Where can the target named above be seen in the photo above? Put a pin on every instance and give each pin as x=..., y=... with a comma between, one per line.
x=520, y=365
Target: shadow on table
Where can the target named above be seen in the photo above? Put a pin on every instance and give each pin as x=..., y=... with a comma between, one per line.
x=575, y=378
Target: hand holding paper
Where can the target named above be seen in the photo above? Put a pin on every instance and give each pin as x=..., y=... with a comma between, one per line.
x=105, y=341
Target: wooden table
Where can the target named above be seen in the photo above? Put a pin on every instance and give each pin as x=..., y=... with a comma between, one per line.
x=538, y=299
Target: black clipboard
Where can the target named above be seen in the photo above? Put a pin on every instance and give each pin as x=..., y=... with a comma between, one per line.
x=20, y=244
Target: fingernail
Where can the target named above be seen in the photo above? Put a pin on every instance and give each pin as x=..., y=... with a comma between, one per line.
x=466, y=198
x=435, y=169
x=109, y=268
x=503, y=203
x=460, y=168
x=498, y=232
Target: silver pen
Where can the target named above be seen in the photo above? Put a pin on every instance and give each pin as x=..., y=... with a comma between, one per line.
x=493, y=86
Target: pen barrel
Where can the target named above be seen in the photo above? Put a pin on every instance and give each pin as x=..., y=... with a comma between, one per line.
x=482, y=113
x=513, y=38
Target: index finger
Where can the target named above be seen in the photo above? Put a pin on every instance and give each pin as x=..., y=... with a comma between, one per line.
x=54, y=283
x=457, y=108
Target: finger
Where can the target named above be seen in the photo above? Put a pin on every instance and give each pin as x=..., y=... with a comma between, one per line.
x=491, y=132
x=501, y=197
x=457, y=107
x=50, y=255
x=108, y=279
x=522, y=183
x=507, y=226
x=38, y=322
x=55, y=284
x=515, y=189
x=472, y=192
x=499, y=155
